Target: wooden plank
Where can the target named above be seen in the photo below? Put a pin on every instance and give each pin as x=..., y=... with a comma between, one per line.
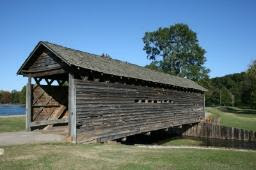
x=109, y=110
x=48, y=122
x=214, y=131
x=57, y=112
x=28, y=104
x=72, y=108
x=204, y=105
x=46, y=105
x=48, y=100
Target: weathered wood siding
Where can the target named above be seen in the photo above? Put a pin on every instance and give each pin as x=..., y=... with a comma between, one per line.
x=44, y=62
x=49, y=103
x=213, y=131
x=111, y=110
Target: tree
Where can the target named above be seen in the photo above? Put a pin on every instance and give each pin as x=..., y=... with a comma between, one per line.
x=179, y=51
x=15, y=96
x=22, y=96
x=252, y=76
x=5, y=97
x=155, y=65
x=252, y=70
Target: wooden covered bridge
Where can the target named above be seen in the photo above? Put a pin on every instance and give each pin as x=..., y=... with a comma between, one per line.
x=99, y=98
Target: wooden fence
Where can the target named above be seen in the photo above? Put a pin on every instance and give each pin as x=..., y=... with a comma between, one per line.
x=215, y=131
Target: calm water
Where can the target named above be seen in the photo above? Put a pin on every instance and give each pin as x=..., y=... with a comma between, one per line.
x=6, y=110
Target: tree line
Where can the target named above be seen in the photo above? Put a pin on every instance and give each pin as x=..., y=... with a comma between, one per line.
x=14, y=96
x=176, y=50
x=237, y=89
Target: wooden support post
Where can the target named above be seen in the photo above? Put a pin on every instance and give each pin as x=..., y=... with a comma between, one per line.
x=28, y=104
x=72, y=108
x=204, y=106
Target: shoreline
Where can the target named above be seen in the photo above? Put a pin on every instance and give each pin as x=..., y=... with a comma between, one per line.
x=8, y=116
x=12, y=104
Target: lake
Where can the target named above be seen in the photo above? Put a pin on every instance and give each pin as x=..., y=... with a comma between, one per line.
x=12, y=109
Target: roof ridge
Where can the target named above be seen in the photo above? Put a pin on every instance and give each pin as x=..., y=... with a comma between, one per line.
x=47, y=42
x=120, y=68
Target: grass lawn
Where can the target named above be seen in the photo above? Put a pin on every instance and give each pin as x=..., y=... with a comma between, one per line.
x=115, y=156
x=181, y=142
x=11, y=124
x=234, y=117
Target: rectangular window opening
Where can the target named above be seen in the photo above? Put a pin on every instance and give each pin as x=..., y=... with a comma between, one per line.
x=165, y=101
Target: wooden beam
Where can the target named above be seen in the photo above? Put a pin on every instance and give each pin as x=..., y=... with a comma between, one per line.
x=72, y=108
x=204, y=106
x=28, y=105
x=43, y=73
x=37, y=80
x=49, y=81
x=61, y=82
x=48, y=122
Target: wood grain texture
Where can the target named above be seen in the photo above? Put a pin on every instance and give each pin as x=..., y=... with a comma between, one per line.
x=107, y=111
x=213, y=131
x=44, y=64
x=72, y=108
x=49, y=103
x=28, y=105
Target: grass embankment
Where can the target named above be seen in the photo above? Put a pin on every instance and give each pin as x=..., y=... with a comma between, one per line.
x=106, y=156
x=234, y=117
x=12, y=124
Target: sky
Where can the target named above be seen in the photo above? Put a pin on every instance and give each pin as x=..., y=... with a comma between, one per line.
x=226, y=29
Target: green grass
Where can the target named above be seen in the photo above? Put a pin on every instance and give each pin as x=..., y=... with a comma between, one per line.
x=181, y=142
x=12, y=124
x=234, y=117
x=109, y=156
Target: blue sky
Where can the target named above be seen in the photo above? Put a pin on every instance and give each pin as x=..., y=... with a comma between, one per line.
x=225, y=29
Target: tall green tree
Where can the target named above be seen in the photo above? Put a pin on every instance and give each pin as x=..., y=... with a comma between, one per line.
x=22, y=96
x=177, y=51
x=252, y=76
x=15, y=96
x=252, y=70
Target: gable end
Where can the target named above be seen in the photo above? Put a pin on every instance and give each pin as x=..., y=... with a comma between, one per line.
x=42, y=62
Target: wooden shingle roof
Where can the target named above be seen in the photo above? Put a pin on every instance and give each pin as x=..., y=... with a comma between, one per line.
x=116, y=67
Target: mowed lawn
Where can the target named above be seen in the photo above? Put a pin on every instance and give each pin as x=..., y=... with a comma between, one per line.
x=12, y=124
x=234, y=117
x=116, y=156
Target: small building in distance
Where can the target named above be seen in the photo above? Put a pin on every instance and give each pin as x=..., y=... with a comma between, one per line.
x=98, y=98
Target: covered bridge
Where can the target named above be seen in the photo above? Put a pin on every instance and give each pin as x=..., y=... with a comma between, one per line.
x=99, y=98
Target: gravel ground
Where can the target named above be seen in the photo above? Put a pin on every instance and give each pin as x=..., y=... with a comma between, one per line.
x=19, y=138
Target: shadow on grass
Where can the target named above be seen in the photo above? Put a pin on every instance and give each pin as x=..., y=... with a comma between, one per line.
x=156, y=137
x=236, y=110
x=162, y=137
